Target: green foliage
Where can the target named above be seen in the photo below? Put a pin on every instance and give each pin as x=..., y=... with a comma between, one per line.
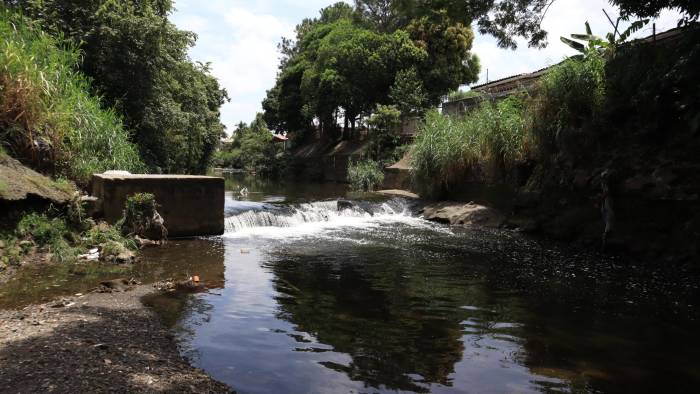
x=49, y=233
x=569, y=109
x=365, y=175
x=503, y=19
x=344, y=64
x=103, y=233
x=141, y=217
x=689, y=9
x=138, y=62
x=253, y=149
x=597, y=45
x=229, y=158
x=408, y=93
x=446, y=148
x=42, y=229
x=47, y=117
x=384, y=124
x=112, y=248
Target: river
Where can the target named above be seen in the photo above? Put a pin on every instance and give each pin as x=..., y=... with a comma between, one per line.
x=304, y=298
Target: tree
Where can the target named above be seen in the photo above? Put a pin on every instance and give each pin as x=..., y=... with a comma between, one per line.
x=342, y=66
x=690, y=9
x=408, y=93
x=138, y=63
x=451, y=62
x=385, y=123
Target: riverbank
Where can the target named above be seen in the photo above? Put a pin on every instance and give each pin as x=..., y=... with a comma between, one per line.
x=98, y=342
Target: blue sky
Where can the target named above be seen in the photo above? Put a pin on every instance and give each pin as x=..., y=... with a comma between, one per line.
x=240, y=39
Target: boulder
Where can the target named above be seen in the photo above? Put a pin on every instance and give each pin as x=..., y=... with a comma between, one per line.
x=345, y=204
x=18, y=183
x=459, y=214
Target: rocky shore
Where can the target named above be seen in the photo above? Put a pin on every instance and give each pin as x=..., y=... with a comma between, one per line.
x=96, y=343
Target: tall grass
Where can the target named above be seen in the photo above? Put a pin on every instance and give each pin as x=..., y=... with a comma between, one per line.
x=568, y=110
x=446, y=147
x=48, y=118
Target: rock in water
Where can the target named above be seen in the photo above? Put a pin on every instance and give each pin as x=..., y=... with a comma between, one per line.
x=345, y=204
x=464, y=214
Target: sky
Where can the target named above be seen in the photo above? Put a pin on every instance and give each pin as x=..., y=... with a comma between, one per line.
x=239, y=38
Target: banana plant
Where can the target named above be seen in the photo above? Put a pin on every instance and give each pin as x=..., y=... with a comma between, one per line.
x=589, y=43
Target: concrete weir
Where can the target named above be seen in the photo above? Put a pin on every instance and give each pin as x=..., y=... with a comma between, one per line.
x=190, y=205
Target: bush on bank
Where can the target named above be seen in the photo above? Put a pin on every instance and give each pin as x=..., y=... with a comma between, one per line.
x=48, y=119
x=568, y=112
x=60, y=236
x=446, y=147
x=366, y=175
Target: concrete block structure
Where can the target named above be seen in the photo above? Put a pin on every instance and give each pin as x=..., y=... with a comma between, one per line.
x=190, y=205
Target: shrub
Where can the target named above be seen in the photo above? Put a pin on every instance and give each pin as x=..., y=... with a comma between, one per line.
x=47, y=117
x=568, y=110
x=141, y=217
x=385, y=122
x=52, y=234
x=447, y=147
x=103, y=233
x=42, y=229
x=365, y=175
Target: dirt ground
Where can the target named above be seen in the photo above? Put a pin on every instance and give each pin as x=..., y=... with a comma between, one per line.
x=94, y=343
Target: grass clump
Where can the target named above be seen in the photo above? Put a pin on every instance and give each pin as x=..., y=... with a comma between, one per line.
x=366, y=175
x=447, y=147
x=51, y=234
x=48, y=118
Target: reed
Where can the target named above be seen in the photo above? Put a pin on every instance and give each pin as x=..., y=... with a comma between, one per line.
x=48, y=118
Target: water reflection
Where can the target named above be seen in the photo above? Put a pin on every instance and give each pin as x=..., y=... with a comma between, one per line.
x=408, y=323
x=395, y=307
x=279, y=190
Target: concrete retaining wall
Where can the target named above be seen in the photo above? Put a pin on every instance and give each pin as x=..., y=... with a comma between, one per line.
x=191, y=205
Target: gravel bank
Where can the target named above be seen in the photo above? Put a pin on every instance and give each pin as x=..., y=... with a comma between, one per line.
x=96, y=343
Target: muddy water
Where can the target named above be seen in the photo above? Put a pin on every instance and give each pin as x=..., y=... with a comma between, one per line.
x=305, y=299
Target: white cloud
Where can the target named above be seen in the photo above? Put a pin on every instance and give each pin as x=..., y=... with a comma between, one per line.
x=241, y=46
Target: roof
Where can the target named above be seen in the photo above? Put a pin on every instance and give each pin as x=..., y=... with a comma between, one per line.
x=519, y=78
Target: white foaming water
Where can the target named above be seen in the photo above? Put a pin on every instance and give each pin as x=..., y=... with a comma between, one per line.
x=307, y=219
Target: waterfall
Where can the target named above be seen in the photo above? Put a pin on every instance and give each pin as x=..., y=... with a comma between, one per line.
x=274, y=215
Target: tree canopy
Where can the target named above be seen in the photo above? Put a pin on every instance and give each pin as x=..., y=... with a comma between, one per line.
x=351, y=59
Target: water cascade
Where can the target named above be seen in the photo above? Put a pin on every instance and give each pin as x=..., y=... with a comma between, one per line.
x=277, y=215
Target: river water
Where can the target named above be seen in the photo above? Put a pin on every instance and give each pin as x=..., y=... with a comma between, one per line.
x=303, y=298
